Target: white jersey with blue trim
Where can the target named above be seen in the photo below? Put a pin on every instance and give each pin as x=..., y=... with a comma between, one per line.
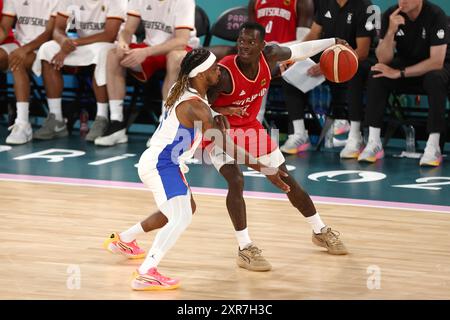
x=172, y=141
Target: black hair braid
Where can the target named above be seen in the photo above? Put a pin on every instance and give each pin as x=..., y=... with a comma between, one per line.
x=192, y=60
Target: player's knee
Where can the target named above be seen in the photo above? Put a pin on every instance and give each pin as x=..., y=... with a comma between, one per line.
x=113, y=58
x=236, y=182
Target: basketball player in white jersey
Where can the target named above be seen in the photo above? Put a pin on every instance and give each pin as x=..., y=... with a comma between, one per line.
x=169, y=34
x=33, y=27
x=177, y=137
x=97, y=24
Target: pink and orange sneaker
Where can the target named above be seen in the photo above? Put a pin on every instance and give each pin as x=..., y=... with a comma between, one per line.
x=153, y=280
x=130, y=250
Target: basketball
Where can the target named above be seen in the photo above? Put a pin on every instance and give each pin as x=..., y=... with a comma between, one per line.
x=339, y=63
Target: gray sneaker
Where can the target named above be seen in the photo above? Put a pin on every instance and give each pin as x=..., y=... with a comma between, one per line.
x=98, y=128
x=51, y=129
x=250, y=258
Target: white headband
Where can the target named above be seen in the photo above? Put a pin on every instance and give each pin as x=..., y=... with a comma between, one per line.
x=203, y=66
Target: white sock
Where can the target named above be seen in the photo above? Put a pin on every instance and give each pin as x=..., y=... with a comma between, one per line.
x=243, y=238
x=433, y=140
x=375, y=135
x=355, y=130
x=131, y=234
x=116, y=108
x=179, y=215
x=151, y=261
x=22, y=112
x=102, y=110
x=55, y=107
x=316, y=223
x=299, y=127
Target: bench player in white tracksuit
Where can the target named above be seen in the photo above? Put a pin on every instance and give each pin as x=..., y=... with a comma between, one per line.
x=159, y=166
x=169, y=33
x=97, y=24
x=34, y=21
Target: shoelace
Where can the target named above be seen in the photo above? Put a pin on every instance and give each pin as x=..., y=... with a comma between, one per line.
x=333, y=237
x=156, y=273
x=255, y=252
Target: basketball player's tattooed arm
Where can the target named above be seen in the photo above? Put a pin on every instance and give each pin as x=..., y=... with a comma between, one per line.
x=198, y=111
x=275, y=53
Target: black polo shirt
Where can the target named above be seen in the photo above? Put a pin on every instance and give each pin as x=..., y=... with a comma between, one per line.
x=349, y=22
x=415, y=38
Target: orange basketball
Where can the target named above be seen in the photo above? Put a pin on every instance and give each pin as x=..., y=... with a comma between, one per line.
x=339, y=63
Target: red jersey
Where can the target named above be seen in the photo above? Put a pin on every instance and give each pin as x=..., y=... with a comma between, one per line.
x=247, y=131
x=10, y=37
x=245, y=93
x=279, y=17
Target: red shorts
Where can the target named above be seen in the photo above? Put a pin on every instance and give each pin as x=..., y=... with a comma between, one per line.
x=254, y=138
x=151, y=64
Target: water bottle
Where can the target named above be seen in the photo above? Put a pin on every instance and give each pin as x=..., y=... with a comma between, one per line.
x=329, y=137
x=84, y=128
x=410, y=139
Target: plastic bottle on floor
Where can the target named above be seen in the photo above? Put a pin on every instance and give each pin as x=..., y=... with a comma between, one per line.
x=84, y=127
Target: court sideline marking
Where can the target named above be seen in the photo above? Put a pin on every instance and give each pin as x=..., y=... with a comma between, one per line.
x=223, y=193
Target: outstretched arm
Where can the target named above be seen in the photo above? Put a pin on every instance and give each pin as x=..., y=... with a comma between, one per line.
x=297, y=51
x=200, y=112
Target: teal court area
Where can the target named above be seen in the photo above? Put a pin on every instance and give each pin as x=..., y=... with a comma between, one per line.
x=392, y=182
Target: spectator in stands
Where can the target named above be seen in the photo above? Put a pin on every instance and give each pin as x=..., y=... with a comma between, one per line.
x=34, y=26
x=413, y=52
x=169, y=34
x=284, y=21
x=97, y=24
x=348, y=20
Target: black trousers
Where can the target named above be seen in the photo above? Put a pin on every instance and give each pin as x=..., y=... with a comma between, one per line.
x=342, y=95
x=435, y=84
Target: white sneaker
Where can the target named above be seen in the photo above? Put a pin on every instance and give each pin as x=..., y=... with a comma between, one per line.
x=296, y=143
x=148, y=142
x=341, y=127
x=116, y=133
x=352, y=148
x=431, y=156
x=20, y=133
x=372, y=152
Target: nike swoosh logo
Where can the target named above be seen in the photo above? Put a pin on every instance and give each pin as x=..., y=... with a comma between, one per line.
x=59, y=129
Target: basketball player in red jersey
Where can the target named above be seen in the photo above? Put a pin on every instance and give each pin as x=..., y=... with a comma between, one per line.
x=281, y=18
x=244, y=79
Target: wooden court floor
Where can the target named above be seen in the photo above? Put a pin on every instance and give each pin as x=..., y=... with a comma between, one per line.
x=51, y=248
